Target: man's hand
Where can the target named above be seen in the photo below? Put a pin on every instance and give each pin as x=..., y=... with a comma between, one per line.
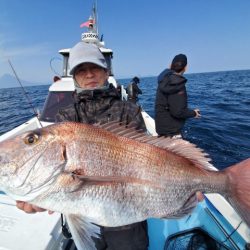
x=197, y=113
x=29, y=208
x=200, y=196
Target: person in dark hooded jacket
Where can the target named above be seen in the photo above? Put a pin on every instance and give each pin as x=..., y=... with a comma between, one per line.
x=133, y=90
x=171, y=107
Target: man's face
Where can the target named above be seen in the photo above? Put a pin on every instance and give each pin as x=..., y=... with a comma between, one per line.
x=89, y=76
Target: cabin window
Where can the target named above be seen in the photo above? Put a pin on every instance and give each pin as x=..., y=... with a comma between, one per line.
x=54, y=102
x=108, y=57
x=65, y=65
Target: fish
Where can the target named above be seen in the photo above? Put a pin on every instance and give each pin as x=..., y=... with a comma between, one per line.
x=114, y=174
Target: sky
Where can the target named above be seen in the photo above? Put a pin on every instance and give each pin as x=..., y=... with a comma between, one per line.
x=144, y=35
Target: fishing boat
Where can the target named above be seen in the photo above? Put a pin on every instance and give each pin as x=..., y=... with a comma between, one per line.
x=214, y=224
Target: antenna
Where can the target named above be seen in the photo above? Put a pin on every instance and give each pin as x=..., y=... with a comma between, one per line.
x=95, y=16
x=25, y=94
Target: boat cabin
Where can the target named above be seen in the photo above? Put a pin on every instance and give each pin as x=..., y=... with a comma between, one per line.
x=61, y=91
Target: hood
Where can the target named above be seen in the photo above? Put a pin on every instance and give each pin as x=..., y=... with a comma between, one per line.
x=171, y=82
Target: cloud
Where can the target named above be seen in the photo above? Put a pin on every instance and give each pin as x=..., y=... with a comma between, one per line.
x=22, y=51
x=23, y=56
x=9, y=47
x=1, y=40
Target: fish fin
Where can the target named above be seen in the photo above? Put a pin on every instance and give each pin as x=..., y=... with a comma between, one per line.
x=187, y=208
x=82, y=231
x=178, y=146
x=239, y=196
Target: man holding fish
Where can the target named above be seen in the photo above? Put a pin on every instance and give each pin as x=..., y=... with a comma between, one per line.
x=111, y=174
x=98, y=101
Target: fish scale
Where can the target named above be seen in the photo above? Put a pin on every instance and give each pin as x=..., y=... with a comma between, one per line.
x=93, y=175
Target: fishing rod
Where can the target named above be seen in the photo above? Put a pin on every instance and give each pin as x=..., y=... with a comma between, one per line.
x=24, y=92
x=65, y=231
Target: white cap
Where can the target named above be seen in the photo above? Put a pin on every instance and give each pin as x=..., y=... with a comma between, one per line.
x=85, y=53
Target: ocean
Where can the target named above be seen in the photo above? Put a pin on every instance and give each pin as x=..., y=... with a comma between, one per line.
x=223, y=131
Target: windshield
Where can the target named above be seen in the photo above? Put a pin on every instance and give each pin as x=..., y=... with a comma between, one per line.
x=54, y=102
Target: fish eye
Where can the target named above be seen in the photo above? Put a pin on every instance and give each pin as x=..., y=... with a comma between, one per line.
x=31, y=139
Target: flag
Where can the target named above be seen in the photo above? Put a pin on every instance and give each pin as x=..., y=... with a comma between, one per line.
x=86, y=24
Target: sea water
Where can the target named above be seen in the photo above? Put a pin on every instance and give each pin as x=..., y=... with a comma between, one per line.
x=223, y=131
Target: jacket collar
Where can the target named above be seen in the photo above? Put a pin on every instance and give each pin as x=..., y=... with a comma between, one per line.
x=97, y=94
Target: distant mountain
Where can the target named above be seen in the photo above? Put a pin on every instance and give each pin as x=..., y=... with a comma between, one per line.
x=9, y=81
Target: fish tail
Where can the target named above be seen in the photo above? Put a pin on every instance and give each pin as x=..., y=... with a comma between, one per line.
x=239, y=196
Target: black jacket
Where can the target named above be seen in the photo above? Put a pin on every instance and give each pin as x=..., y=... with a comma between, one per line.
x=101, y=105
x=171, y=108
